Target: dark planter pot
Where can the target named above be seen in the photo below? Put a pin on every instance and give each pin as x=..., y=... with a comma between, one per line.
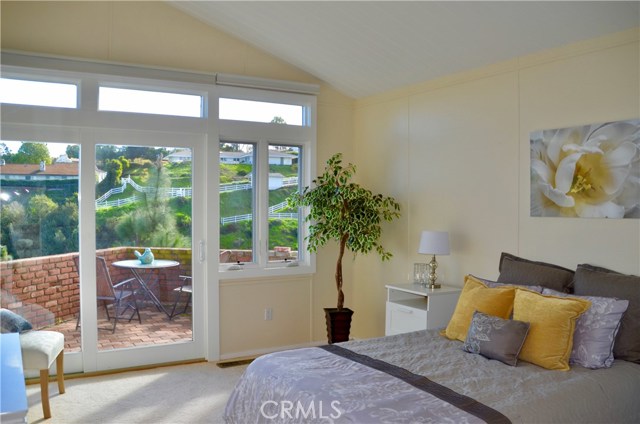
x=338, y=324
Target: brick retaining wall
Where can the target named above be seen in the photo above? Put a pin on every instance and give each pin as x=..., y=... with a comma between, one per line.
x=45, y=290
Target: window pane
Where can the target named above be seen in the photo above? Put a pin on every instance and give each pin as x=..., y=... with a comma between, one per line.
x=152, y=102
x=247, y=110
x=237, y=209
x=38, y=93
x=39, y=235
x=143, y=200
x=284, y=172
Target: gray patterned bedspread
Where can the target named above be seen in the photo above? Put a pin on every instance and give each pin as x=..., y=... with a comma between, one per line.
x=315, y=385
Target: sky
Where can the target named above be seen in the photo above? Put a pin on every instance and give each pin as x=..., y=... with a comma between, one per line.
x=55, y=149
x=21, y=92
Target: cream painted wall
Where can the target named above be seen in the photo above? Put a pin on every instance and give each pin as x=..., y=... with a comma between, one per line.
x=158, y=35
x=459, y=161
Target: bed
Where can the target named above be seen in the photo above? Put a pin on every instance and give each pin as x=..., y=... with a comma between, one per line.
x=426, y=377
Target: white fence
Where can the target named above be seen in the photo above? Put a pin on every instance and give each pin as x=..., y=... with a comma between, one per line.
x=102, y=201
x=249, y=217
x=234, y=187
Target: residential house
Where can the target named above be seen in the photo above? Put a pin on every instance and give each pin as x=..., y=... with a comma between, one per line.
x=39, y=172
x=275, y=157
x=179, y=156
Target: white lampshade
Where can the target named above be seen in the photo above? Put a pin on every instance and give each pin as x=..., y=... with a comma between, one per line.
x=434, y=243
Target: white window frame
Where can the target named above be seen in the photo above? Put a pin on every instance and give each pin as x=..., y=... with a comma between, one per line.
x=262, y=135
x=89, y=76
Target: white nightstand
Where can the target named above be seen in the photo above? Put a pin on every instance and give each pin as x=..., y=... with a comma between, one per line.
x=413, y=307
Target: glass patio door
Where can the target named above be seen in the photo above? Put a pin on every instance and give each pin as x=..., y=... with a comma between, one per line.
x=39, y=235
x=143, y=291
x=138, y=146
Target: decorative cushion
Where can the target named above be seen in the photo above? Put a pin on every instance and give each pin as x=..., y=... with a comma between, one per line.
x=596, y=330
x=596, y=281
x=475, y=296
x=553, y=320
x=13, y=323
x=515, y=270
x=496, y=338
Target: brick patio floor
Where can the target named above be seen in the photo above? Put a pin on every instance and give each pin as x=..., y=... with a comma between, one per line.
x=156, y=328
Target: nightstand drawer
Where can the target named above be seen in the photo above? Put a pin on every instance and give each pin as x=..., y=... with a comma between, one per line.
x=403, y=318
x=413, y=307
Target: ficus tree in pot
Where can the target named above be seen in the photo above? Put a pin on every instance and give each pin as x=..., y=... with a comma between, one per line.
x=341, y=210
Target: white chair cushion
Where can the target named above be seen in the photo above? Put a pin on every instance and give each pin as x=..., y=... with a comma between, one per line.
x=40, y=348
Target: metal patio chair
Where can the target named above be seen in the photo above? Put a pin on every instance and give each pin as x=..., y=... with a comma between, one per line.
x=120, y=296
x=187, y=288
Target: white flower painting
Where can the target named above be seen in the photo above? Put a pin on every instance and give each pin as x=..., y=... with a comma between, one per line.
x=591, y=171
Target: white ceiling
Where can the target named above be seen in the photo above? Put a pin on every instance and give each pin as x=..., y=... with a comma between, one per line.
x=367, y=47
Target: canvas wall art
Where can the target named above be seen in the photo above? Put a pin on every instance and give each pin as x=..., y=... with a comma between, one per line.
x=589, y=171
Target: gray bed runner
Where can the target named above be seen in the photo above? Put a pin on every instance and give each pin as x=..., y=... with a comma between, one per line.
x=462, y=402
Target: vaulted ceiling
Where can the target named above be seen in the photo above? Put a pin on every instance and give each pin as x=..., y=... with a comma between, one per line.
x=366, y=47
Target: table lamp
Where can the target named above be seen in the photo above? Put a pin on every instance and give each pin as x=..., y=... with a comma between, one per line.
x=434, y=243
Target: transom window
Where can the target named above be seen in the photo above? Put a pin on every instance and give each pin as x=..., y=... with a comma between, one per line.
x=153, y=102
x=38, y=93
x=254, y=111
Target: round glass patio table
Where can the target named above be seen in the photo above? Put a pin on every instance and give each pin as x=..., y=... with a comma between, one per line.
x=139, y=269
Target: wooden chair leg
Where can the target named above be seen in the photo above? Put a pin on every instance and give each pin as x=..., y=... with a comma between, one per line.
x=44, y=393
x=60, y=371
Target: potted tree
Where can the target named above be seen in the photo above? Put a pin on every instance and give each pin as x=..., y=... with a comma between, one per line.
x=343, y=211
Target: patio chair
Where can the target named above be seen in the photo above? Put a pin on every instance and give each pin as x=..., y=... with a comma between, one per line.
x=186, y=288
x=120, y=296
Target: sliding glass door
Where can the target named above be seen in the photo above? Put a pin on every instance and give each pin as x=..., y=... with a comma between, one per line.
x=73, y=215
x=145, y=297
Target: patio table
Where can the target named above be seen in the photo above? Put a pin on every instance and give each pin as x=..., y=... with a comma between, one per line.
x=142, y=273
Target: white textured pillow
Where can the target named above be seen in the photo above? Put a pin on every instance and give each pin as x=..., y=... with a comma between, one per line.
x=596, y=330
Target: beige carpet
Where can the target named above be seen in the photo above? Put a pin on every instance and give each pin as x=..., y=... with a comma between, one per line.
x=195, y=393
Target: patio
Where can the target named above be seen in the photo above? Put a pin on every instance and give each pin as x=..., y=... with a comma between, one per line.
x=156, y=328
x=46, y=291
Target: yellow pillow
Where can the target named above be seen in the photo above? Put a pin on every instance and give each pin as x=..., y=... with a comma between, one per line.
x=475, y=296
x=553, y=321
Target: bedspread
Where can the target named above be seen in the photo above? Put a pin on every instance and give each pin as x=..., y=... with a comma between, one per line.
x=315, y=385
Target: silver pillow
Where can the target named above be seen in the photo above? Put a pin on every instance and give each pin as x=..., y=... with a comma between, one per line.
x=496, y=338
x=596, y=330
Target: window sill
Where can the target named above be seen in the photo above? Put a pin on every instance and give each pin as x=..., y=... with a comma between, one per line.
x=272, y=271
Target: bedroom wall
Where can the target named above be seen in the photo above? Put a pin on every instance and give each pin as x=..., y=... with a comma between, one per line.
x=158, y=35
x=455, y=153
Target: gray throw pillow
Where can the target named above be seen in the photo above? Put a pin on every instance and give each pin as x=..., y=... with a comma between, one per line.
x=13, y=323
x=597, y=281
x=596, y=329
x=496, y=338
x=516, y=270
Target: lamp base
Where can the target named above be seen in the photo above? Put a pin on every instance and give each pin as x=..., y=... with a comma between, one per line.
x=433, y=275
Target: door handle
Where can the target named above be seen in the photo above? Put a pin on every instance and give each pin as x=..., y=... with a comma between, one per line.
x=201, y=251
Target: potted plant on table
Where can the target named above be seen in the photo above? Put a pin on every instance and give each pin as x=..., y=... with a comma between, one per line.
x=343, y=211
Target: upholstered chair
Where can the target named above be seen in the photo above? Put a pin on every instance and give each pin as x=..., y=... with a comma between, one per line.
x=39, y=350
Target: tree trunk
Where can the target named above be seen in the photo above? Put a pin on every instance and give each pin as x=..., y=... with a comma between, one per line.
x=343, y=243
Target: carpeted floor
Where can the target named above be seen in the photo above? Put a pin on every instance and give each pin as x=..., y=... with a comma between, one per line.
x=194, y=393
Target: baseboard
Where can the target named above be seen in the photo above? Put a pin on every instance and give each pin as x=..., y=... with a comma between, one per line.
x=251, y=354
x=52, y=377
